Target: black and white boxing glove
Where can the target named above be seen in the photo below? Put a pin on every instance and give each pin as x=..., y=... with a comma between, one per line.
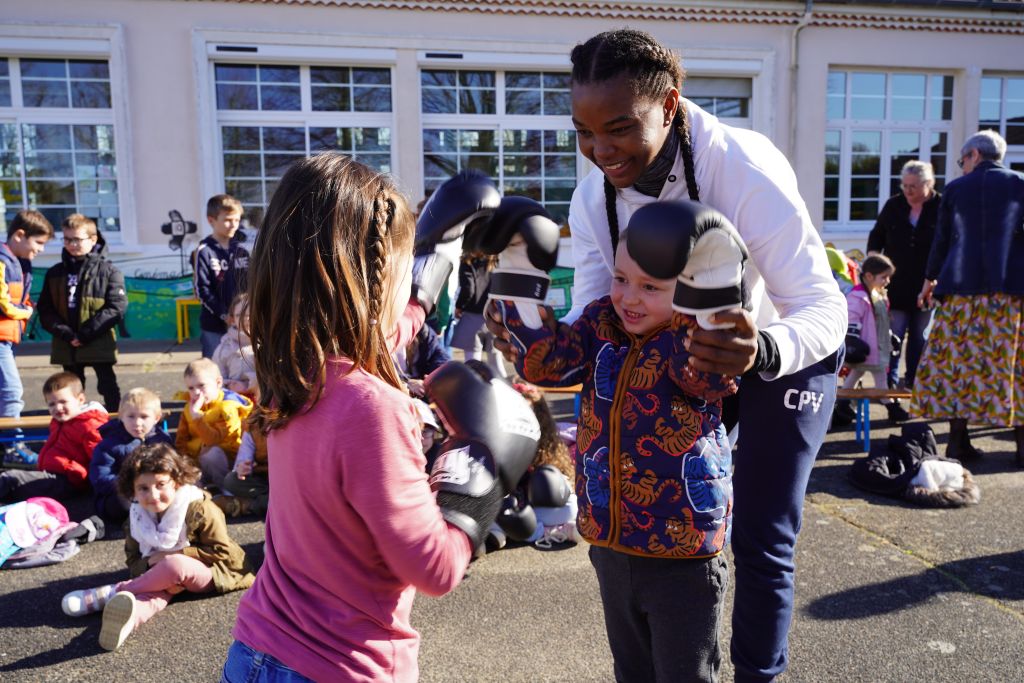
x=464, y=199
x=548, y=487
x=526, y=239
x=517, y=517
x=697, y=245
x=494, y=437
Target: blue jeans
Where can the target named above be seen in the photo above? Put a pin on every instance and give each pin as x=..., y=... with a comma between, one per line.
x=246, y=665
x=918, y=322
x=11, y=390
x=208, y=341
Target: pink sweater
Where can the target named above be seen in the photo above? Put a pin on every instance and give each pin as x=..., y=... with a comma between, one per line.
x=352, y=531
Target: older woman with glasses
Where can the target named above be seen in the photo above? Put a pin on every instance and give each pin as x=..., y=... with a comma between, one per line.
x=904, y=232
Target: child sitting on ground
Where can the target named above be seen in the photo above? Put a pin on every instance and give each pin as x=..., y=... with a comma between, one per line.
x=63, y=467
x=210, y=429
x=137, y=424
x=176, y=540
x=868, y=311
x=234, y=353
x=248, y=483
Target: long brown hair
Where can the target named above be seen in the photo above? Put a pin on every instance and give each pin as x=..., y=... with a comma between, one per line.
x=652, y=69
x=318, y=278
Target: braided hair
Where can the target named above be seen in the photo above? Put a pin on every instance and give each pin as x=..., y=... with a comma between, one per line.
x=652, y=69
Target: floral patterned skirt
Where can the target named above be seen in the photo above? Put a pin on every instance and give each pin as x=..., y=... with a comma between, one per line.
x=973, y=365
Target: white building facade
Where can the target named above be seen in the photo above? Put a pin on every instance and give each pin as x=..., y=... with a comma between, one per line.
x=126, y=109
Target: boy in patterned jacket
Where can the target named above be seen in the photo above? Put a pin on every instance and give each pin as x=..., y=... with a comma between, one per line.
x=653, y=465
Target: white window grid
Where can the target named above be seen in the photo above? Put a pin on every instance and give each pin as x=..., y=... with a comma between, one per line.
x=1002, y=107
x=934, y=147
x=68, y=80
x=107, y=207
x=305, y=118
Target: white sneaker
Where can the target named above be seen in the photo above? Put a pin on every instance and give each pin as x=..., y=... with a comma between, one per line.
x=118, y=620
x=86, y=601
x=556, y=535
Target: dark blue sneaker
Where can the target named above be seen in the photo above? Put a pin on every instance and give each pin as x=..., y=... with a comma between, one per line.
x=20, y=456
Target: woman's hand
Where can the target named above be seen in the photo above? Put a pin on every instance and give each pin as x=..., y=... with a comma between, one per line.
x=730, y=351
x=924, y=299
x=492, y=319
x=416, y=388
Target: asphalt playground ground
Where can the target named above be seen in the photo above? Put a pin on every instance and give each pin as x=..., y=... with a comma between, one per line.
x=886, y=591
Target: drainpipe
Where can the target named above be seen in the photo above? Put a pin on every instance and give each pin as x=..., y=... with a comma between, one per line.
x=793, y=68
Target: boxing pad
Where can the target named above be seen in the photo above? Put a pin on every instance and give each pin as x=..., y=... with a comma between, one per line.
x=494, y=437
x=517, y=517
x=697, y=245
x=526, y=239
x=548, y=487
x=462, y=200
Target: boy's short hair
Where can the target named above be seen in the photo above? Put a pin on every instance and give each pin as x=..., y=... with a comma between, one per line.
x=32, y=222
x=76, y=221
x=201, y=366
x=140, y=397
x=62, y=380
x=222, y=202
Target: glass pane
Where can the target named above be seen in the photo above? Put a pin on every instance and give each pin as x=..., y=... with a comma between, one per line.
x=832, y=164
x=44, y=68
x=5, y=93
x=231, y=96
x=381, y=162
x=557, y=103
x=90, y=95
x=5, y=69
x=560, y=166
x=95, y=166
x=279, y=74
x=560, y=141
x=372, y=139
x=321, y=139
x=44, y=93
x=484, y=163
x=51, y=192
x=556, y=80
x=235, y=72
x=1014, y=109
x=477, y=141
x=521, y=140
x=865, y=165
x=435, y=140
x=89, y=68
x=1014, y=133
x=867, y=84
x=48, y=164
x=832, y=187
x=240, y=137
x=729, y=106
x=867, y=96
x=908, y=85
x=836, y=97
x=522, y=79
x=559, y=190
x=246, y=191
x=864, y=187
x=329, y=74
x=372, y=99
x=439, y=101
x=862, y=108
x=440, y=165
x=904, y=109
x=520, y=165
x=477, y=102
x=437, y=78
x=371, y=76
x=253, y=216
x=10, y=190
x=906, y=143
x=863, y=211
x=522, y=102
x=989, y=110
x=476, y=79
x=46, y=136
x=285, y=139
x=524, y=188
x=242, y=165
x=331, y=99
x=280, y=98
x=831, y=210
x=1015, y=88
x=10, y=167
x=274, y=165
x=867, y=142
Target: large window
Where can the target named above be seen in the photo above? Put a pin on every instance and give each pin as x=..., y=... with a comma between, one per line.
x=512, y=125
x=726, y=98
x=1002, y=107
x=270, y=115
x=876, y=123
x=57, y=150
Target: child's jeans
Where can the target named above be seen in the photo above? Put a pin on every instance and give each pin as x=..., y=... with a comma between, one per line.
x=11, y=390
x=255, y=487
x=214, y=464
x=662, y=615
x=154, y=589
x=246, y=665
x=18, y=485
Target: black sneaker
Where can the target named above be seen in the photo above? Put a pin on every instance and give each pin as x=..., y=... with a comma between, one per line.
x=843, y=414
x=896, y=412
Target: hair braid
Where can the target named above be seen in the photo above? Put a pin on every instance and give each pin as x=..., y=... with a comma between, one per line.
x=613, y=216
x=376, y=256
x=686, y=150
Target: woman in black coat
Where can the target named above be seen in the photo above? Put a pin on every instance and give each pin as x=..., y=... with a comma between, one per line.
x=904, y=232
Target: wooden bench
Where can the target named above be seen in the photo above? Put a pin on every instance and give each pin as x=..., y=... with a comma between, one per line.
x=37, y=427
x=573, y=391
x=863, y=398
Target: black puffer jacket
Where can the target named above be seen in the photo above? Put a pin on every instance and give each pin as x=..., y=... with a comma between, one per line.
x=906, y=245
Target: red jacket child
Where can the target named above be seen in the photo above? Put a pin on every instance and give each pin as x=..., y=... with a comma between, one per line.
x=69, y=447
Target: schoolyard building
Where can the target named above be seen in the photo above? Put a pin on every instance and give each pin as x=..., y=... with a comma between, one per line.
x=126, y=109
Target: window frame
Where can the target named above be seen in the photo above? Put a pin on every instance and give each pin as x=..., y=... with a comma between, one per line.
x=1018, y=148
x=79, y=42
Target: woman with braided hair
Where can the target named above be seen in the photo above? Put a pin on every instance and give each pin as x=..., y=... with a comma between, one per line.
x=649, y=144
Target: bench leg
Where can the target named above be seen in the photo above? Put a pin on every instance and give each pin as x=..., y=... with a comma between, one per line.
x=864, y=421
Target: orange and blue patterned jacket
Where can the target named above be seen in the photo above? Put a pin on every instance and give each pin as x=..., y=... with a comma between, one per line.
x=653, y=460
x=15, y=307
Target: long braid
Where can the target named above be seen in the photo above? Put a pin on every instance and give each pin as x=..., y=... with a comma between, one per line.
x=376, y=259
x=682, y=122
x=613, y=216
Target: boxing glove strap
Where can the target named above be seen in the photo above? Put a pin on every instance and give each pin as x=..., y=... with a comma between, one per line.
x=519, y=284
x=687, y=297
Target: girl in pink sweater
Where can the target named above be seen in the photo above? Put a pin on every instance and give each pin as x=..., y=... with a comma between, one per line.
x=353, y=529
